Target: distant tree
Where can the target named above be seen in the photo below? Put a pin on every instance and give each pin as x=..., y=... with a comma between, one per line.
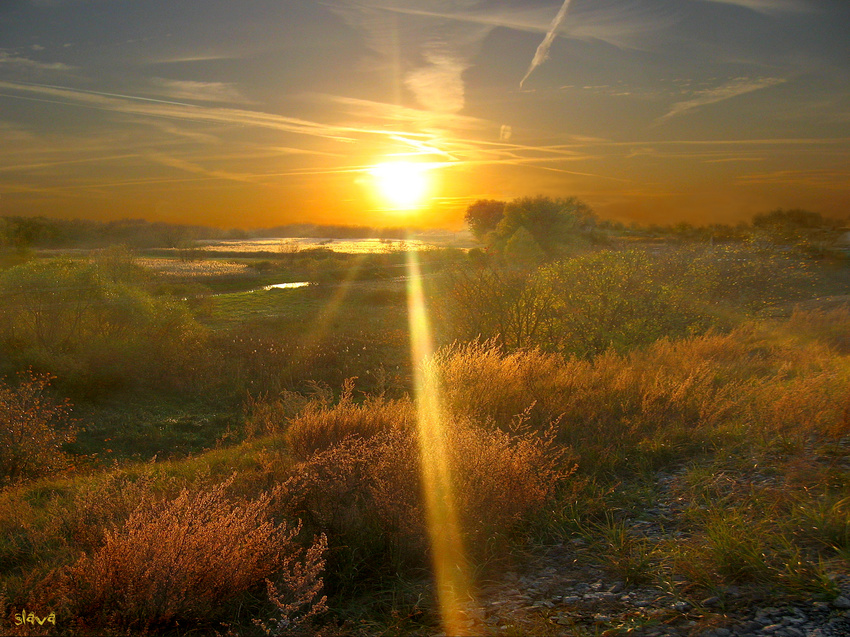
x=483, y=216
x=555, y=224
x=790, y=226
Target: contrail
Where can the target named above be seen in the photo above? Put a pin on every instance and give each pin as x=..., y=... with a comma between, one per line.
x=542, y=53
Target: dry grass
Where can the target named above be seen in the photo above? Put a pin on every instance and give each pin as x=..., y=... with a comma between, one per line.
x=366, y=493
x=199, y=268
x=321, y=426
x=691, y=393
x=267, y=415
x=753, y=423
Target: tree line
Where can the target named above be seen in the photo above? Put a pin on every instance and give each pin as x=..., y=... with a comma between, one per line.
x=18, y=232
x=537, y=229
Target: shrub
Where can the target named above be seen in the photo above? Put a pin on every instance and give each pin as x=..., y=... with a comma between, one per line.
x=610, y=299
x=33, y=429
x=321, y=426
x=367, y=493
x=84, y=321
x=184, y=560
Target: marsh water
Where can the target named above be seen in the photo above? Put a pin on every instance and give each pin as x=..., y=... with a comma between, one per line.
x=351, y=246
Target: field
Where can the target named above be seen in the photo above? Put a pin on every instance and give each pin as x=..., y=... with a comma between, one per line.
x=625, y=440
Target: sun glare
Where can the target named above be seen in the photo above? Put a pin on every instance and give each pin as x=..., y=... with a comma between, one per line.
x=402, y=184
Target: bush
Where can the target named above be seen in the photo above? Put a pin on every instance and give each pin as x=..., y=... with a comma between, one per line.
x=84, y=321
x=186, y=560
x=33, y=429
x=322, y=426
x=618, y=300
x=366, y=494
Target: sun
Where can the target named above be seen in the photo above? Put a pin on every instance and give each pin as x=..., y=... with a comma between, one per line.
x=402, y=184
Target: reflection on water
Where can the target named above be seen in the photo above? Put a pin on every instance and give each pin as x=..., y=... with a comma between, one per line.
x=286, y=286
x=351, y=246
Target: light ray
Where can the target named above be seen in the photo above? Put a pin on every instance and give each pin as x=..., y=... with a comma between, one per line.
x=454, y=592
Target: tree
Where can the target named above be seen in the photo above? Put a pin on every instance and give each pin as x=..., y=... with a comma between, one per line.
x=555, y=224
x=522, y=249
x=483, y=216
x=791, y=226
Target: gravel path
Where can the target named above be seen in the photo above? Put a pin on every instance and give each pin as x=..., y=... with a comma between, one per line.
x=561, y=590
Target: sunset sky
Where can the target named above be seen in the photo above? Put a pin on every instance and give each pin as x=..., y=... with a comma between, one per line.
x=264, y=112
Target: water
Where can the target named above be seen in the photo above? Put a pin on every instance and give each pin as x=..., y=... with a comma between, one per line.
x=351, y=246
x=285, y=286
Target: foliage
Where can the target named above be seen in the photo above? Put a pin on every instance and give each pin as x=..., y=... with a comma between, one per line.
x=523, y=250
x=322, y=426
x=34, y=427
x=671, y=399
x=790, y=226
x=483, y=216
x=618, y=299
x=366, y=493
x=84, y=320
x=555, y=225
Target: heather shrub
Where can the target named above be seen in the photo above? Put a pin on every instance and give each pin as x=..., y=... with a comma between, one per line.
x=321, y=426
x=186, y=560
x=34, y=427
x=97, y=506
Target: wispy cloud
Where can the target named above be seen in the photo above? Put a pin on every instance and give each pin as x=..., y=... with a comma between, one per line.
x=7, y=60
x=381, y=113
x=438, y=85
x=192, y=90
x=425, y=49
x=542, y=52
x=770, y=6
x=190, y=167
x=821, y=178
x=734, y=88
x=135, y=105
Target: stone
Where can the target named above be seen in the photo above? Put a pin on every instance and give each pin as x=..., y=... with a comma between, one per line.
x=841, y=602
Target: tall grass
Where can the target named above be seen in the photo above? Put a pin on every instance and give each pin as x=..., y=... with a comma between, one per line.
x=687, y=394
